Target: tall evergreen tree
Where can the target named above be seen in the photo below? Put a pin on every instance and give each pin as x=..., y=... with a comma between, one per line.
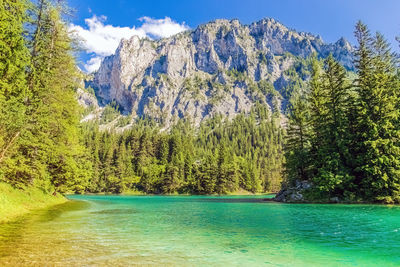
x=297, y=144
x=377, y=150
x=14, y=61
x=330, y=128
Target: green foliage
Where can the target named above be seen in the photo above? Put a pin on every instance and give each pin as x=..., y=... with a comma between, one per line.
x=267, y=88
x=222, y=157
x=42, y=145
x=297, y=75
x=263, y=58
x=377, y=165
x=14, y=202
x=109, y=113
x=88, y=110
x=344, y=138
x=124, y=121
x=297, y=145
x=237, y=75
x=90, y=90
x=14, y=60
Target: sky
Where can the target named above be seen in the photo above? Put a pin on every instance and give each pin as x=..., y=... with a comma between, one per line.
x=102, y=24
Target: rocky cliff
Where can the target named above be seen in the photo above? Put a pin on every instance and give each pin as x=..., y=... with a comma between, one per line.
x=220, y=67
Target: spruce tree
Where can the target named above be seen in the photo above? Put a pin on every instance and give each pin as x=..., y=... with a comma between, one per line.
x=378, y=151
x=297, y=144
x=330, y=128
x=14, y=61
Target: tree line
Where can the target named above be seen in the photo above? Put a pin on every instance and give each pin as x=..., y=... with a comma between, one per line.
x=219, y=157
x=43, y=144
x=342, y=134
x=344, y=129
x=39, y=116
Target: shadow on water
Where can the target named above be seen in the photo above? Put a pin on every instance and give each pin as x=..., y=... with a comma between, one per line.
x=56, y=211
x=229, y=200
x=115, y=211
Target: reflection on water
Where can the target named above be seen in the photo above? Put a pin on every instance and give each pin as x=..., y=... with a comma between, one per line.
x=201, y=231
x=228, y=200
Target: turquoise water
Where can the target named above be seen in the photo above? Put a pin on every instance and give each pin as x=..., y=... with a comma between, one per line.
x=202, y=231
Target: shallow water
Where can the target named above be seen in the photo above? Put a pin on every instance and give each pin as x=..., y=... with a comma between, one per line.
x=202, y=231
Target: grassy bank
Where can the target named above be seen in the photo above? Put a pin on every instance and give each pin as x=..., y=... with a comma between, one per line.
x=15, y=202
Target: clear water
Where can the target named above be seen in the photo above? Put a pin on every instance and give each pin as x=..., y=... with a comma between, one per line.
x=202, y=231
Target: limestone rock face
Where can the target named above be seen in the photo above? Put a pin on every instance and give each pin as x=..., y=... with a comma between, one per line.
x=86, y=99
x=293, y=194
x=213, y=69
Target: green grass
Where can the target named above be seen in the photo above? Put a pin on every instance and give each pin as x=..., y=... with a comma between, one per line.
x=15, y=202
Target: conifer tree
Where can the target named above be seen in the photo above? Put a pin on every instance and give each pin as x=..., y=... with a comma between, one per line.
x=297, y=144
x=14, y=61
x=378, y=151
x=329, y=103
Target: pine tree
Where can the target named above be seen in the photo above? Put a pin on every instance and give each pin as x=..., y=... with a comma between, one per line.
x=298, y=139
x=14, y=60
x=377, y=151
x=330, y=129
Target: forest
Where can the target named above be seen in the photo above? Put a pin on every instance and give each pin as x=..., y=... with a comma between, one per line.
x=342, y=134
x=39, y=115
x=220, y=157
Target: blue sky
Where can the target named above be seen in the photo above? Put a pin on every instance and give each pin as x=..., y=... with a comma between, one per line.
x=330, y=19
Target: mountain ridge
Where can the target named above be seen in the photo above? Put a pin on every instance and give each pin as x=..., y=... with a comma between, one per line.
x=221, y=67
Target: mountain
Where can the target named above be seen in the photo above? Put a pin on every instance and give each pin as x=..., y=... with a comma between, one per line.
x=220, y=67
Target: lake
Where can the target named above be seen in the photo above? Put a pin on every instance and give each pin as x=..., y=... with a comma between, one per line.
x=202, y=231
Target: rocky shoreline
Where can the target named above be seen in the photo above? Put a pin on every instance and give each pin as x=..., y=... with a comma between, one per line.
x=293, y=194
x=297, y=193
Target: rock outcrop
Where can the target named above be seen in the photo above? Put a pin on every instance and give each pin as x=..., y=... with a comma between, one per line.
x=220, y=67
x=85, y=99
x=293, y=194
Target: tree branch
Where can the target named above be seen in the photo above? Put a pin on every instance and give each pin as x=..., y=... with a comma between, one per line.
x=3, y=153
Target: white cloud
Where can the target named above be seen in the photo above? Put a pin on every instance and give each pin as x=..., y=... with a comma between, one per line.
x=161, y=28
x=102, y=39
x=93, y=64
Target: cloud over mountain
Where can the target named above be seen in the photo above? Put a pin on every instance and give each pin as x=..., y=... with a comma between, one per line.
x=101, y=39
